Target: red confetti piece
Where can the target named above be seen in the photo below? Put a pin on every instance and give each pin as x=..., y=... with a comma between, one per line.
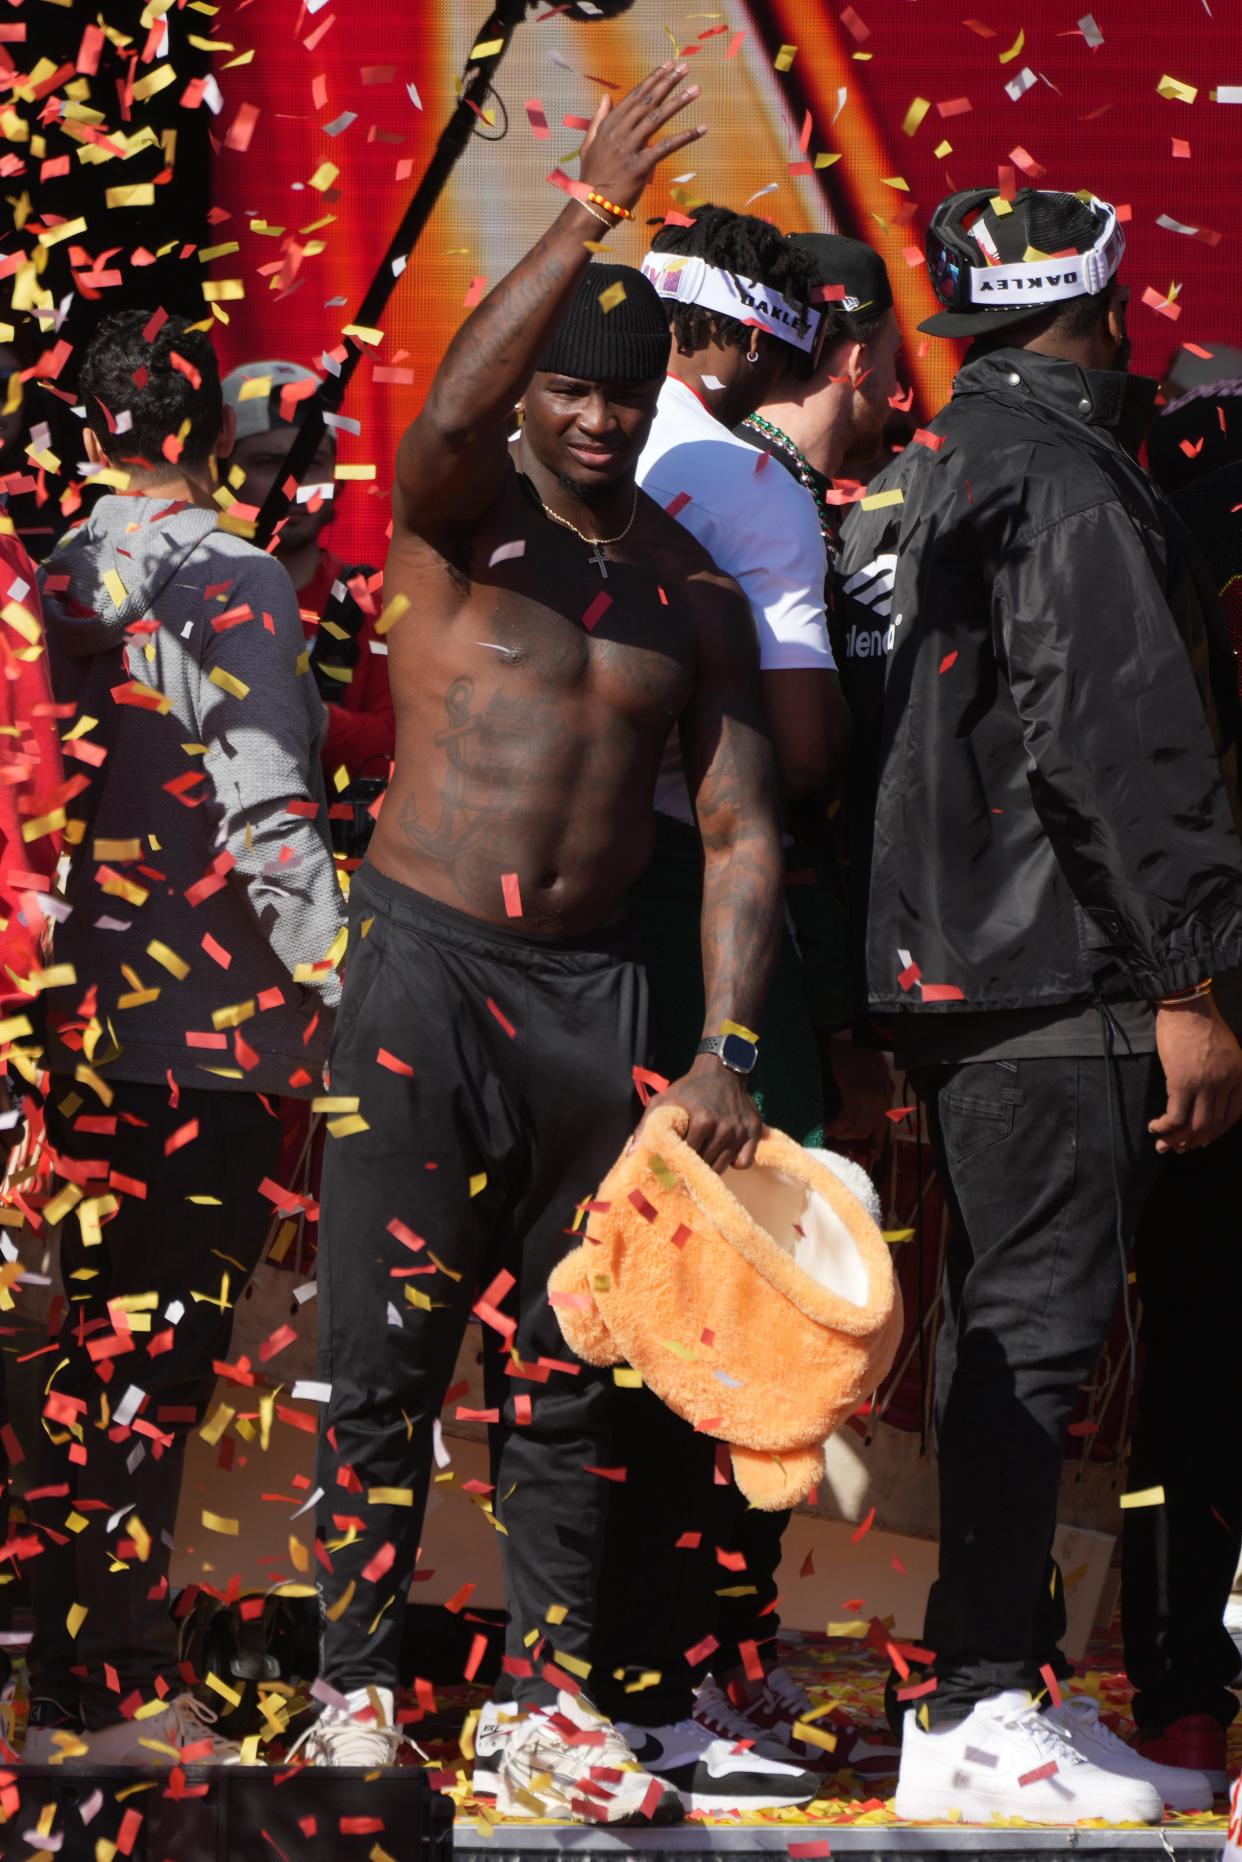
x=460, y=1598
x=815, y=1846
x=681, y=1235
x=949, y=659
x=900, y=1112
x=185, y=1134
x=1165, y=306
x=856, y=27
x=513, y=894
x=644, y=1208
x=596, y=610
x=861, y=1531
x=478, y=1649
x=384, y=1059
x=503, y=1019
x=537, y=120
x=918, y=1690
x=1041, y=1771
x=677, y=504
x=474, y=293
x=647, y=1083
x=1051, y=1683
x=735, y=44
x=618, y=1475
x=923, y=436
x=701, y=1650
x=942, y=992
x=1205, y=355
x=955, y=106
x=689, y=1542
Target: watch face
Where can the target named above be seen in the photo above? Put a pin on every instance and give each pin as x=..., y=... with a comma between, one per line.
x=739, y=1054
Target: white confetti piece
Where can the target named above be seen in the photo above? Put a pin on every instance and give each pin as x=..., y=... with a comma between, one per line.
x=309, y=1390
x=507, y=552
x=340, y=123
x=1019, y=86
x=1090, y=31
x=411, y=91
x=842, y=94
x=760, y=192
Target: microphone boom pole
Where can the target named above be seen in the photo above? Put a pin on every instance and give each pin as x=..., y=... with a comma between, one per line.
x=454, y=137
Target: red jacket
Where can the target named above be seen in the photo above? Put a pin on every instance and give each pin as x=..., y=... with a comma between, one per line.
x=361, y=727
x=30, y=773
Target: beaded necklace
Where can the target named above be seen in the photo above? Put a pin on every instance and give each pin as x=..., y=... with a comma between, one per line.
x=805, y=471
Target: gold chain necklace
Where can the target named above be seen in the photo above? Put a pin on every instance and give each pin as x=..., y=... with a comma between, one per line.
x=597, y=543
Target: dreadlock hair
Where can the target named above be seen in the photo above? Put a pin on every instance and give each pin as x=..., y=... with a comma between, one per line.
x=752, y=248
x=168, y=383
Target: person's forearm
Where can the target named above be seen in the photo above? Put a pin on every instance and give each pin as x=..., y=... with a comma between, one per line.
x=491, y=359
x=741, y=927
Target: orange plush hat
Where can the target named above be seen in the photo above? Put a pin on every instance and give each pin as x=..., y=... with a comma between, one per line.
x=760, y=1305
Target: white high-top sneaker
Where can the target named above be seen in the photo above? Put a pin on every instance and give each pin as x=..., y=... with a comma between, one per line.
x=1005, y=1760
x=362, y=1732
x=569, y=1761
x=495, y=1722
x=1180, y=1788
x=182, y=1733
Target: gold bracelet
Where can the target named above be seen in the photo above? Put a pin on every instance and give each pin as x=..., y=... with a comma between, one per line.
x=596, y=215
x=1194, y=994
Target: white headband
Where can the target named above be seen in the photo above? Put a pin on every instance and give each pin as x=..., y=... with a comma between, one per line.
x=694, y=281
x=1048, y=281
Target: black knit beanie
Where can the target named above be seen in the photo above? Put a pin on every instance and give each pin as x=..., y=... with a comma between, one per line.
x=626, y=342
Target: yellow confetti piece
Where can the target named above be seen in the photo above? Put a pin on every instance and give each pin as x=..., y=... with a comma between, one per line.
x=69, y=229
x=344, y=472
x=478, y=1183
x=572, y=1663
x=1143, y=1496
x=897, y=182
x=363, y=332
x=877, y=500
x=626, y=1377
x=115, y=587
x=614, y=295
x=347, y=1127
x=136, y=194
x=1176, y=91
x=556, y=1614
x=826, y=161
x=393, y=610
x=13, y=1027
x=335, y=1102
x=1014, y=49
x=915, y=114
x=856, y=1630
x=156, y=80
x=223, y=1689
x=415, y=1297
x=1000, y=206
x=943, y=148
x=785, y=57
x=216, y=1522
x=487, y=48
x=898, y=1234
x=324, y=176
x=237, y=688
x=175, y=965
x=141, y=1537
x=75, y=1619
x=390, y=1496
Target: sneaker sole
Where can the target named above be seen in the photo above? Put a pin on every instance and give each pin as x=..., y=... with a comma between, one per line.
x=713, y=1803
x=485, y=1782
x=927, y=1804
x=670, y=1809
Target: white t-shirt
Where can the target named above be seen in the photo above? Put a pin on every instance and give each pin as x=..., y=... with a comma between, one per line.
x=757, y=524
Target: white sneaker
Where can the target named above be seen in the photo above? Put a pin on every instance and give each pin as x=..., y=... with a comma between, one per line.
x=1005, y=1760
x=711, y=1773
x=183, y=1726
x=363, y=1732
x=494, y=1724
x=45, y=1718
x=569, y=1761
x=1078, y=1717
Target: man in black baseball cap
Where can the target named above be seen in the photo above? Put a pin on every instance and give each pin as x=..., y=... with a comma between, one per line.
x=1048, y=878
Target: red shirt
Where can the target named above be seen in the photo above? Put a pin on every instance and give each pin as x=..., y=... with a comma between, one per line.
x=361, y=728
x=30, y=780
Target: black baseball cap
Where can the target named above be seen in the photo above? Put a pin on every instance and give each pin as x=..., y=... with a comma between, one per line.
x=995, y=263
x=860, y=271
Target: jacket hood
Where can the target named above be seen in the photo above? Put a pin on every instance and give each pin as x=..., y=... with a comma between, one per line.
x=111, y=570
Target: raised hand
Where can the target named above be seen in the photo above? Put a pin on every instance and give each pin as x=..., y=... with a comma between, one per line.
x=616, y=160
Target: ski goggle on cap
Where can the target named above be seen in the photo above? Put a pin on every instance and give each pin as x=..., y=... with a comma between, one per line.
x=992, y=262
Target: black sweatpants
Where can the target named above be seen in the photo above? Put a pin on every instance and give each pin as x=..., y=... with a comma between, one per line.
x=1032, y=1154
x=1179, y=1559
x=162, y=1245
x=495, y=1074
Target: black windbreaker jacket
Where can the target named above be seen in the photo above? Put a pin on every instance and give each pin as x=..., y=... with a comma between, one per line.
x=1042, y=793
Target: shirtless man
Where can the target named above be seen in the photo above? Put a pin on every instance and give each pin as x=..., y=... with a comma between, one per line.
x=559, y=624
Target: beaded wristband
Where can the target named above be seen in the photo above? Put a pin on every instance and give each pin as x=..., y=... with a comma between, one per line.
x=610, y=206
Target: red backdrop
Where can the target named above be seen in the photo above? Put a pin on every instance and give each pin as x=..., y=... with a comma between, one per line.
x=331, y=87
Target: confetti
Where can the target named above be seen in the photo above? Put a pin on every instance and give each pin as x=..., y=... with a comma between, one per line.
x=1142, y=1496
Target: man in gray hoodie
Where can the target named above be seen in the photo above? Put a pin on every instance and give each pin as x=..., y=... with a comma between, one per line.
x=200, y=929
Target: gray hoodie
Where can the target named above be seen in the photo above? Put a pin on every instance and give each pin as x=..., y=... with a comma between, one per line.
x=202, y=884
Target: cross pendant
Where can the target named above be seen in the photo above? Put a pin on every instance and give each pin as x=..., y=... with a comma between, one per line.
x=597, y=557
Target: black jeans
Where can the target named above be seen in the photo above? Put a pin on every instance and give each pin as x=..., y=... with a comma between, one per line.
x=466, y=1181
x=1047, y=1164
x=163, y=1248
x=1179, y=1559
